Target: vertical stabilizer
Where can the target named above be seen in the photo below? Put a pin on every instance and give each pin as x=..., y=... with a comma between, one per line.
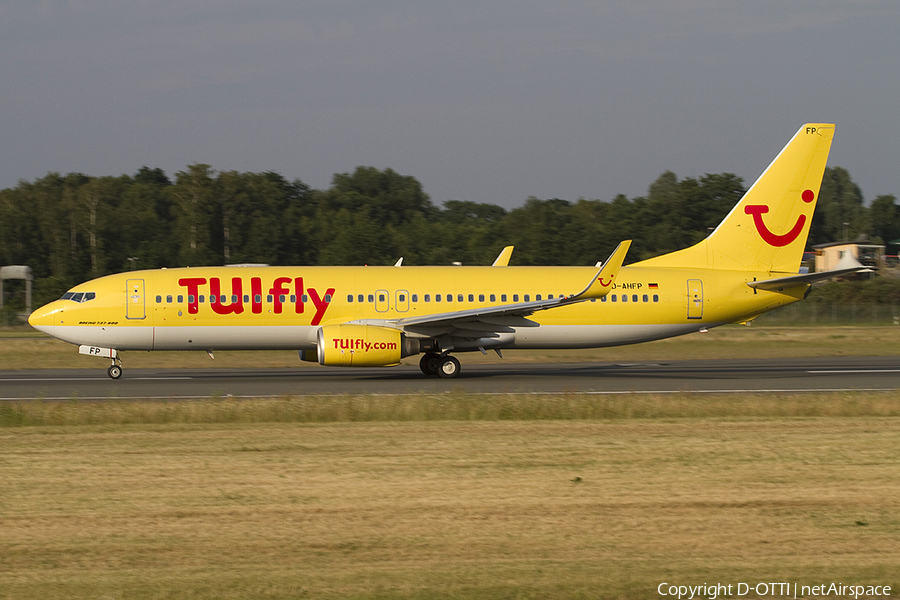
x=768, y=228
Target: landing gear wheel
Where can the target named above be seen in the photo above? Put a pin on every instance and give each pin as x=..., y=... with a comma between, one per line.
x=429, y=364
x=449, y=367
x=114, y=372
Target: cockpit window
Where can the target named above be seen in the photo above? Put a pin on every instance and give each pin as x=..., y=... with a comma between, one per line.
x=79, y=296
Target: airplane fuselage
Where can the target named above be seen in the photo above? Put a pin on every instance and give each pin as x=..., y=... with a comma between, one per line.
x=256, y=308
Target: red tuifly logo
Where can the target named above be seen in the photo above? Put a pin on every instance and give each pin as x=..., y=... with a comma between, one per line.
x=773, y=239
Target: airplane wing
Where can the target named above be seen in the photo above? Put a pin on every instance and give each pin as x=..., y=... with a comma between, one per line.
x=501, y=319
x=782, y=283
x=502, y=259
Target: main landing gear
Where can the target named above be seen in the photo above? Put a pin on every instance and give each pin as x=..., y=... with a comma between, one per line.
x=439, y=365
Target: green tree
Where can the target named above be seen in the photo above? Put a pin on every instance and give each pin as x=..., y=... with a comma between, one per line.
x=885, y=218
x=140, y=235
x=192, y=198
x=840, y=214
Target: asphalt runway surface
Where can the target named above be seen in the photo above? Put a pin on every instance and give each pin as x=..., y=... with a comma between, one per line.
x=766, y=375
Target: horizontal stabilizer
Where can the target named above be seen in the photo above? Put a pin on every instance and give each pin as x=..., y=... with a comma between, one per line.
x=783, y=283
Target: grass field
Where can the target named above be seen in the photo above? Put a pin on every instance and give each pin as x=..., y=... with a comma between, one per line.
x=290, y=498
x=452, y=495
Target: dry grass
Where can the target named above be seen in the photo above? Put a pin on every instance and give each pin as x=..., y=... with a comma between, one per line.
x=450, y=406
x=218, y=506
x=723, y=342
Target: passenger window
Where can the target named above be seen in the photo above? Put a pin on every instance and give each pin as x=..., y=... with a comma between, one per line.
x=168, y=299
x=190, y=298
x=223, y=299
x=502, y=297
x=624, y=297
x=415, y=297
x=402, y=297
x=427, y=297
x=371, y=298
x=527, y=297
x=634, y=298
x=437, y=297
x=515, y=297
x=360, y=298
x=327, y=298
x=602, y=299
x=459, y=297
x=257, y=299
x=613, y=297
x=537, y=297
x=303, y=298
x=202, y=298
x=381, y=297
x=159, y=299
x=282, y=298
x=549, y=296
x=449, y=297
x=293, y=298
x=180, y=299
x=481, y=297
x=493, y=298
x=349, y=297
x=645, y=298
x=246, y=299
x=655, y=298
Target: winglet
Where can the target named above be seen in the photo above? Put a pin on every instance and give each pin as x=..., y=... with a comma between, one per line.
x=503, y=258
x=601, y=283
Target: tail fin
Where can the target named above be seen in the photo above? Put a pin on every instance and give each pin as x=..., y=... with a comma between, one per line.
x=767, y=230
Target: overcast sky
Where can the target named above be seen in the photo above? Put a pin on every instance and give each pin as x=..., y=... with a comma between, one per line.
x=488, y=101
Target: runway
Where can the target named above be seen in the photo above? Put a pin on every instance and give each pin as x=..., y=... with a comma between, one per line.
x=708, y=376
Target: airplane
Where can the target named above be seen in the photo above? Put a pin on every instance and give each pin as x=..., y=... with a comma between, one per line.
x=376, y=316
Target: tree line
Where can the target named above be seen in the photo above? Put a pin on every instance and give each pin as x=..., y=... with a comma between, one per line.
x=74, y=227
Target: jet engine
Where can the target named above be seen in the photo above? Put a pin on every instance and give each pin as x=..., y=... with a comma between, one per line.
x=363, y=346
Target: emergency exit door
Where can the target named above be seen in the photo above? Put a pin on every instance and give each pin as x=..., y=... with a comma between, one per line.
x=695, y=299
x=134, y=299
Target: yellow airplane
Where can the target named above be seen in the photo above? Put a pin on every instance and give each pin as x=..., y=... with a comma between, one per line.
x=375, y=316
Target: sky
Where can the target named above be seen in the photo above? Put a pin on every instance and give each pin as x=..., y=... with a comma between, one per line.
x=486, y=101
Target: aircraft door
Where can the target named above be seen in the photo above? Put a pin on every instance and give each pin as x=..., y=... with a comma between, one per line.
x=134, y=299
x=401, y=302
x=382, y=301
x=695, y=299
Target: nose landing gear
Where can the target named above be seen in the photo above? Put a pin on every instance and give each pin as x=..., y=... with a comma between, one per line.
x=115, y=369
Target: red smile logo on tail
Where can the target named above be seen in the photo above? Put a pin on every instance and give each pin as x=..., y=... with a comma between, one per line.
x=758, y=210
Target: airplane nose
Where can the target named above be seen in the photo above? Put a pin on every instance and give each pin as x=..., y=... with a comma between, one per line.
x=44, y=317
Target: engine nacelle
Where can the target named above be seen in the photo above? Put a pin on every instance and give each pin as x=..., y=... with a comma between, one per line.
x=363, y=346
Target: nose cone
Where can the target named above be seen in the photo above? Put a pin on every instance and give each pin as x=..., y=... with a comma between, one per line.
x=46, y=317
